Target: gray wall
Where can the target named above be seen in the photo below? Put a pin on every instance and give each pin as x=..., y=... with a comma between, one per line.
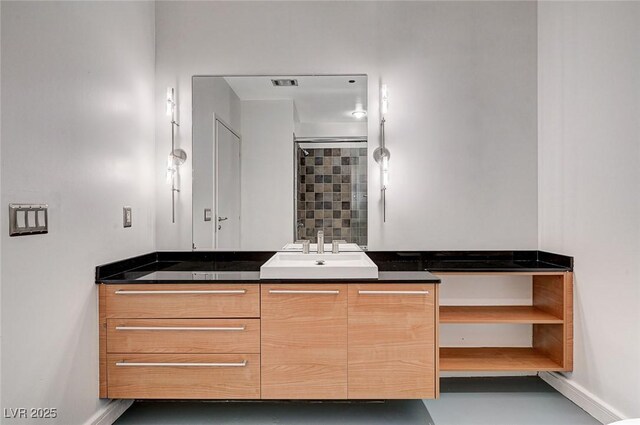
x=77, y=133
x=462, y=121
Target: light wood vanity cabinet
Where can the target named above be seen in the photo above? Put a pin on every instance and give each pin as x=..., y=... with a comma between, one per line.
x=270, y=341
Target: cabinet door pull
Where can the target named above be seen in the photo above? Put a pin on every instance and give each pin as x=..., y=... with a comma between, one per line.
x=303, y=291
x=198, y=291
x=365, y=292
x=180, y=328
x=138, y=364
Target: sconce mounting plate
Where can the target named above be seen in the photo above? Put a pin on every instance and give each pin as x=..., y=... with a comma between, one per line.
x=379, y=153
x=179, y=156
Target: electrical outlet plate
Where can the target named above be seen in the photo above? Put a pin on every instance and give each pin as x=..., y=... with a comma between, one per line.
x=126, y=217
x=28, y=219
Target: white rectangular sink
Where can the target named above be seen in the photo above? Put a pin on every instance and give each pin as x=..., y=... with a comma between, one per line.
x=296, y=265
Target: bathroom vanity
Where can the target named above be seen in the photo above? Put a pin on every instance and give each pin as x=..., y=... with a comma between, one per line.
x=203, y=325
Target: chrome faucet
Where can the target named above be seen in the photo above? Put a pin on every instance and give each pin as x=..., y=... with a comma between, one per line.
x=335, y=245
x=320, y=242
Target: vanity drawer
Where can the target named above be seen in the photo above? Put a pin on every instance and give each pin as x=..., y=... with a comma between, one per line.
x=183, y=301
x=183, y=335
x=184, y=376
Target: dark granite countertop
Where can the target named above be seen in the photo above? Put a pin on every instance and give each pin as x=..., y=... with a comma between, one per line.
x=393, y=266
x=472, y=261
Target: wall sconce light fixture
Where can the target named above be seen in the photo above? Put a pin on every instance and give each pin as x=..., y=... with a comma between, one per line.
x=359, y=114
x=381, y=154
x=177, y=157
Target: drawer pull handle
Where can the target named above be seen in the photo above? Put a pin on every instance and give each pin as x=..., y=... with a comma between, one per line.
x=199, y=291
x=303, y=291
x=180, y=328
x=362, y=292
x=134, y=364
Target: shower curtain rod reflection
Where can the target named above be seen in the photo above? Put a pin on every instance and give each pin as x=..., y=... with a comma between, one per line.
x=329, y=139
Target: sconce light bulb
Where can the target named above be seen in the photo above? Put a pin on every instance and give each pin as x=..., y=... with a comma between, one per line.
x=385, y=171
x=170, y=101
x=384, y=99
x=171, y=168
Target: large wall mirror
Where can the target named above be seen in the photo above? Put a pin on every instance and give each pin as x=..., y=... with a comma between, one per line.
x=278, y=158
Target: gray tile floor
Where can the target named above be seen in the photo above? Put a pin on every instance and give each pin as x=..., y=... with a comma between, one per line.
x=477, y=401
x=401, y=412
x=504, y=401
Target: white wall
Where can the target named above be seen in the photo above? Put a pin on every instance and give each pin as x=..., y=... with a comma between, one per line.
x=589, y=109
x=78, y=133
x=462, y=120
x=267, y=171
x=2, y=215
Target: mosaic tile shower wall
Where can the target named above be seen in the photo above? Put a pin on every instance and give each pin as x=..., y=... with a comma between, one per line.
x=332, y=194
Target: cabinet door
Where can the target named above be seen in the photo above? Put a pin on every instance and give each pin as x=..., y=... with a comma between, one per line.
x=392, y=352
x=304, y=341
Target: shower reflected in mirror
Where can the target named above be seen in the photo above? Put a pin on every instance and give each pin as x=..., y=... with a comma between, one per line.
x=331, y=188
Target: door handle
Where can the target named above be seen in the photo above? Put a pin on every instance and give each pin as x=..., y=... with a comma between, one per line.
x=223, y=218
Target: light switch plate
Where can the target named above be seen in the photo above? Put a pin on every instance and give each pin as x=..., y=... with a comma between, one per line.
x=207, y=214
x=28, y=219
x=126, y=217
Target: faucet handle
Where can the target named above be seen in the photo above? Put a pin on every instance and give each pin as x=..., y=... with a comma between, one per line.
x=306, y=243
x=335, y=245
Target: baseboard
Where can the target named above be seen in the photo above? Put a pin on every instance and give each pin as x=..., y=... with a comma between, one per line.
x=591, y=404
x=108, y=414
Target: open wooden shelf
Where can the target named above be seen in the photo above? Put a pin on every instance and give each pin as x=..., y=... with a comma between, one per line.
x=496, y=314
x=550, y=316
x=496, y=359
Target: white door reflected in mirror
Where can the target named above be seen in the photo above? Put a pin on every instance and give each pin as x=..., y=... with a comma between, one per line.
x=227, y=228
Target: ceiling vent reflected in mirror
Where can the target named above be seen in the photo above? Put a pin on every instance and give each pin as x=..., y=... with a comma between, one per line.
x=285, y=82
